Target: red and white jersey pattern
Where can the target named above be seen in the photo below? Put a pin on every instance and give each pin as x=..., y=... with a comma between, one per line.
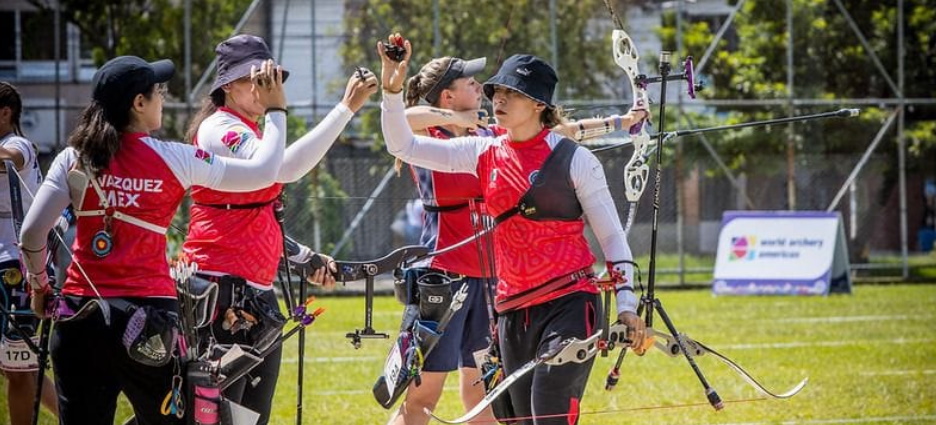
x=445, y=228
x=146, y=179
x=529, y=253
x=243, y=242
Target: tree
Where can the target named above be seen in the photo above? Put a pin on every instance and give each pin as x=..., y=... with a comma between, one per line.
x=153, y=29
x=150, y=29
x=496, y=30
x=830, y=63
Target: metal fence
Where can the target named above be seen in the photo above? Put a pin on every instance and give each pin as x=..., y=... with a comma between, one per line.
x=352, y=211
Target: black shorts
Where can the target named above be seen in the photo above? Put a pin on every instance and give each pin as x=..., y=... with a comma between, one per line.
x=550, y=394
x=468, y=331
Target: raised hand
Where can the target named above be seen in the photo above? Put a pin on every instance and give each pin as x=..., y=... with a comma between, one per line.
x=361, y=85
x=392, y=72
x=268, y=85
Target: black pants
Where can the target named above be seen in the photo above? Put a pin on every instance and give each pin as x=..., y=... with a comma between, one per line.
x=255, y=390
x=92, y=368
x=549, y=394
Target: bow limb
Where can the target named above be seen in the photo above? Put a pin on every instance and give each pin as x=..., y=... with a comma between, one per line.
x=750, y=379
x=669, y=345
x=491, y=396
x=570, y=350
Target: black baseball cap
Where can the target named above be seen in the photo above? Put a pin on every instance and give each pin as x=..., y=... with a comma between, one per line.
x=236, y=55
x=526, y=74
x=119, y=80
x=457, y=68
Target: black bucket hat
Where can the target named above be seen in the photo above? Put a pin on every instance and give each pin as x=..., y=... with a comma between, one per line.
x=236, y=55
x=457, y=68
x=526, y=74
x=119, y=80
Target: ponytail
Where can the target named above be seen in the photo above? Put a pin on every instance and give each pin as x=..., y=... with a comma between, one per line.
x=412, y=90
x=419, y=85
x=95, y=138
x=552, y=117
x=209, y=106
x=10, y=97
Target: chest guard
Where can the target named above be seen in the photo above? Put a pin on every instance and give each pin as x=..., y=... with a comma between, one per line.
x=551, y=195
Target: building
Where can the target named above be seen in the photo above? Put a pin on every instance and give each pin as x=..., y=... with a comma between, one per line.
x=300, y=33
x=28, y=60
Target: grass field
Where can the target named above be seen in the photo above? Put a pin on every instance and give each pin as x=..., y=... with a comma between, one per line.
x=870, y=358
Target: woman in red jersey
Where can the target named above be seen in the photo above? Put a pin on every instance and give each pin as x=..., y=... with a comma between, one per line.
x=235, y=237
x=126, y=186
x=454, y=97
x=448, y=84
x=545, y=289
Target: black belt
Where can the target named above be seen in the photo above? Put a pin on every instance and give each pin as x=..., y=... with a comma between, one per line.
x=223, y=279
x=444, y=208
x=455, y=277
x=453, y=207
x=250, y=206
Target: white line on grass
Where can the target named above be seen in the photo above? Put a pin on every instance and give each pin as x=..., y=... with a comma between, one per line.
x=447, y=388
x=900, y=372
x=843, y=319
x=841, y=420
x=824, y=344
x=347, y=359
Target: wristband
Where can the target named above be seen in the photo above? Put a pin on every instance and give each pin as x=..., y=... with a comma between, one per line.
x=393, y=92
x=38, y=282
x=274, y=109
x=626, y=301
x=617, y=123
x=24, y=249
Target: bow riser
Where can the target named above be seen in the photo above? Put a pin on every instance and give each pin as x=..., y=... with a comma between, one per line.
x=636, y=172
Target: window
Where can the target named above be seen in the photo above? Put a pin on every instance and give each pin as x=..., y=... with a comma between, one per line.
x=28, y=48
x=38, y=36
x=8, y=34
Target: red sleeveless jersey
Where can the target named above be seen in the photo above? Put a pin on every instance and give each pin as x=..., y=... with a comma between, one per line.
x=445, y=228
x=529, y=253
x=138, y=182
x=241, y=242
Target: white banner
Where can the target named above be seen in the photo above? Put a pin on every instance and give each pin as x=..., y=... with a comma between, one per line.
x=779, y=252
